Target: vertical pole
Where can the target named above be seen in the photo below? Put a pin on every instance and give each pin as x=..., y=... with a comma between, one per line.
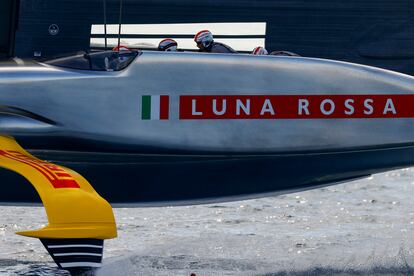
x=104, y=8
x=120, y=23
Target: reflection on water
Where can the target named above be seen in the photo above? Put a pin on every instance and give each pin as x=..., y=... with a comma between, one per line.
x=185, y=265
x=15, y=267
x=358, y=228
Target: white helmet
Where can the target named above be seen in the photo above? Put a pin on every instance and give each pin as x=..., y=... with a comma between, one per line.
x=259, y=51
x=168, y=45
x=204, y=37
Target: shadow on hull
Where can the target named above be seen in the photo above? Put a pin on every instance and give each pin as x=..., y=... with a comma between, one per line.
x=179, y=180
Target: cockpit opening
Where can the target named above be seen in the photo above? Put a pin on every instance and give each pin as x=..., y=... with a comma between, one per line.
x=99, y=61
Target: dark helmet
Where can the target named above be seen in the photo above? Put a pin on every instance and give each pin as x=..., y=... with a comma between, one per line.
x=167, y=44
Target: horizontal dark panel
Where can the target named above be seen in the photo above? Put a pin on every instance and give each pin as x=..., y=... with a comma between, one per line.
x=173, y=35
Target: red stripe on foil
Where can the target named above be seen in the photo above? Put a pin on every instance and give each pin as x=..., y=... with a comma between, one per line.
x=49, y=171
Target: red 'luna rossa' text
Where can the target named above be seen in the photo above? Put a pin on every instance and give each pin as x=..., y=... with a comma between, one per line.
x=296, y=107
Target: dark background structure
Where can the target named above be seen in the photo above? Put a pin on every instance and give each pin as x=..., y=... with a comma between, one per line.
x=373, y=32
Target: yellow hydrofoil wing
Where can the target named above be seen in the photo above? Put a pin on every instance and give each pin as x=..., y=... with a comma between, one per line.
x=79, y=218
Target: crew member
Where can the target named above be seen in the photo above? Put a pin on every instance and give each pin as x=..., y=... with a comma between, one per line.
x=121, y=49
x=205, y=43
x=284, y=53
x=119, y=55
x=168, y=45
x=259, y=51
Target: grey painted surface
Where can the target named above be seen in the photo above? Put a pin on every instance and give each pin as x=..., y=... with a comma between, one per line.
x=106, y=106
x=91, y=122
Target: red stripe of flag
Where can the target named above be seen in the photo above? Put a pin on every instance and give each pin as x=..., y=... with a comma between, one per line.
x=164, y=107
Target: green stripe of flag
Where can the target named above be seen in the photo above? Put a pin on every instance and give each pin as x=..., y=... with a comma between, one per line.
x=146, y=107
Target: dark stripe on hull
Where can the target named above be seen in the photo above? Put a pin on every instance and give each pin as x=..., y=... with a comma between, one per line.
x=166, y=178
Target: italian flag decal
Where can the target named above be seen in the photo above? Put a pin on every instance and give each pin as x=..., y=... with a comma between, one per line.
x=155, y=107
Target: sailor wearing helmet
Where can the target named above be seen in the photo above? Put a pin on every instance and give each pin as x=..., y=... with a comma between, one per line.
x=120, y=54
x=168, y=45
x=259, y=51
x=205, y=43
x=284, y=53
